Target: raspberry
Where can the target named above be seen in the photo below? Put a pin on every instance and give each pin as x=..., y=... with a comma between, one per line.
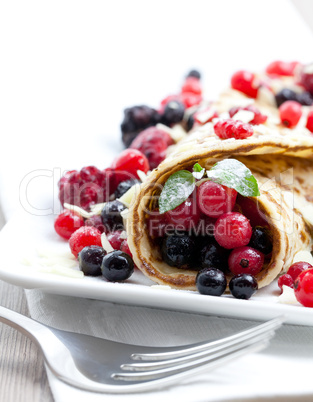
x=306, y=78
x=136, y=119
x=259, y=118
x=279, y=67
x=186, y=216
x=295, y=269
x=115, y=239
x=153, y=143
x=232, y=230
x=190, y=99
x=192, y=85
x=290, y=113
x=286, y=280
x=67, y=223
x=87, y=187
x=309, y=123
x=128, y=162
x=215, y=200
x=230, y=128
x=243, y=81
x=83, y=237
x=303, y=287
x=245, y=260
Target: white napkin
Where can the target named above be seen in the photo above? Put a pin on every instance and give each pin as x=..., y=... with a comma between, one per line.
x=284, y=369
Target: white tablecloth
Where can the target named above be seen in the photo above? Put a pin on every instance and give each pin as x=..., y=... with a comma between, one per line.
x=68, y=69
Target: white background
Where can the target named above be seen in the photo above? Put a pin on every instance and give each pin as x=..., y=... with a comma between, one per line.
x=69, y=68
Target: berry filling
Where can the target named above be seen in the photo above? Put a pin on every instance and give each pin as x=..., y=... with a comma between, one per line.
x=234, y=246
x=230, y=128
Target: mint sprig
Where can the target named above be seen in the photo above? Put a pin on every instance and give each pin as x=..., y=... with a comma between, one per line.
x=198, y=171
x=228, y=172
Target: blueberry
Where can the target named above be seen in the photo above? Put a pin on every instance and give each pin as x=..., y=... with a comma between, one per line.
x=117, y=266
x=111, y=215
x=90, y=260
x=305, y=98
x=285, y=95
x=124, y=186
x=261, y=240
x=212, y=255
x=136, y=119
x=243, y=286
x=173, y=113
x=178, y=250
x=194, y=73
x=211, y=281
x=190, y=122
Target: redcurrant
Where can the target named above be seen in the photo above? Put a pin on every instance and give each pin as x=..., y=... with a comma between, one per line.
x=115, y=239
x=286, y=280
x=186, y=216
x=128, y=162
x=243, y=81
x=84, y=236
x=290, y=113
x=215, y=200
x=295, y=269
x=67, y=223
x=245, y=260
x=232, y=230
x=304, y=288
x=309, y=123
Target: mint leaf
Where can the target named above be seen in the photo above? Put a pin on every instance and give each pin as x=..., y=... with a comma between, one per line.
x=197, y=168
x=176, y=190
x=234, y=174
x=198, y=171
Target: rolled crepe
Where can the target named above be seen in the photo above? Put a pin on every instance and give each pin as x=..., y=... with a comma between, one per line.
x=281, y=161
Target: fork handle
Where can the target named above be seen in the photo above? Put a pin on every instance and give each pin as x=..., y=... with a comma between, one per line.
x=23, y=324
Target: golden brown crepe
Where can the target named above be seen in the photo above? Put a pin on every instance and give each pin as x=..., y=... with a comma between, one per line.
x=281, y=160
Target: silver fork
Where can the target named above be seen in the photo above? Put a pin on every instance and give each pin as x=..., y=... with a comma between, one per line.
x=100, y=365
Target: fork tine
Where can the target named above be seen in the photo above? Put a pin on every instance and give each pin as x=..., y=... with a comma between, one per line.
x=212, y=362
x=207, y=354
x=184, y=351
